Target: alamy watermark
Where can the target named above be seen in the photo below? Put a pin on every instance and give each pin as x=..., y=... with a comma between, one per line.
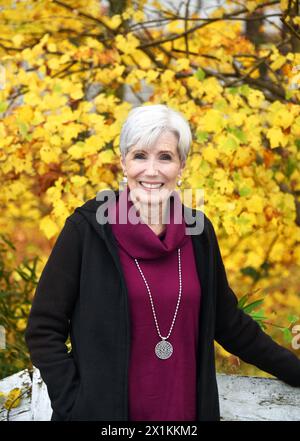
x=2, y=338
x=146, y=206
x=295, y=80
x=296, y=339
x=2, y=77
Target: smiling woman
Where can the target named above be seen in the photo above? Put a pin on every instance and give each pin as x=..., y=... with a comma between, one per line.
x=154, y=144
x=142, y=302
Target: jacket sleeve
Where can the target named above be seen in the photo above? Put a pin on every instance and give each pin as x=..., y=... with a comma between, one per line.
x=48, y=323
x=242, y=336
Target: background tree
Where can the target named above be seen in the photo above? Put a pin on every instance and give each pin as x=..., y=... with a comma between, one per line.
x=67, y=67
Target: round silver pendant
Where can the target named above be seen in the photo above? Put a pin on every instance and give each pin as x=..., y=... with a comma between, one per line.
x=163, y=349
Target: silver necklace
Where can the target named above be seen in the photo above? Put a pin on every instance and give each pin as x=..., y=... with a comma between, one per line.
x=164, y=348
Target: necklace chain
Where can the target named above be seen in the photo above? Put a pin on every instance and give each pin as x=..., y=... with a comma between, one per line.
x=151, y=300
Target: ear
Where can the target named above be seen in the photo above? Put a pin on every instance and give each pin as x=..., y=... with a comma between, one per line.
x=183, y=163
x=122, y=162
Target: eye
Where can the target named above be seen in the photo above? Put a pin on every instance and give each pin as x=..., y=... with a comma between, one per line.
x=141, y=156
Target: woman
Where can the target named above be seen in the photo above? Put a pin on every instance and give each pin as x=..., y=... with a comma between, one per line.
x=143, y=300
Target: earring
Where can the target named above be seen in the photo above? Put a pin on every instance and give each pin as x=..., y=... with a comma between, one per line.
x=179, y=182
x=124, y=180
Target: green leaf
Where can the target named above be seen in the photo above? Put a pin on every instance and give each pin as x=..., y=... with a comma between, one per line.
x=230, y=143
x=253, y=305
x=23, y=128
x=245, y=191
x=258, y=316
x=244, y=89
x=287, y=335
x=297, y=142
x=238, y=133
x=233, y=90
x=200, y=74
x=242, y=220
x=202, y=136
x=289, y=94
x=293, y=318
x=260, y=323
x=243, y=300
x=290, y=166
x=220, y=104
x=236, y=176
x=3, y=106
x=57, y=88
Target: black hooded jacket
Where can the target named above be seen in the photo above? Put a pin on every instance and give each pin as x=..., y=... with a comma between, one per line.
x=82, y=293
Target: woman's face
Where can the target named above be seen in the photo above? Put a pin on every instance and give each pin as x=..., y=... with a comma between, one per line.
x=160, y=164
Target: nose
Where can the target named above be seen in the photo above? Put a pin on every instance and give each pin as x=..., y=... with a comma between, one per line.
x=151, y=168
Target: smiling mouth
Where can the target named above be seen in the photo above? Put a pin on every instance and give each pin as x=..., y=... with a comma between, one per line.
x=151, y=186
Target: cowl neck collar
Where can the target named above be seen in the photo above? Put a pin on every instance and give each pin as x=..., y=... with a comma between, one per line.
x=139, y=240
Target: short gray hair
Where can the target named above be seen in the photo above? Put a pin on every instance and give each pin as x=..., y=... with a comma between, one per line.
x=144, y=124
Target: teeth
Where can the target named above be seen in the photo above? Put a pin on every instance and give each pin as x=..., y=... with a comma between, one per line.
x=144, y=184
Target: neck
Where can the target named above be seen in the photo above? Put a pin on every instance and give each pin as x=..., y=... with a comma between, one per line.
x=154, y=215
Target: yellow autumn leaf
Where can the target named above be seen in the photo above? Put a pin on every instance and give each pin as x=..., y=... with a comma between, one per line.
x=77, y=93
x=255, y=204
x=21, y=324
x=50, y=154
x=284, y=4
x=60, y=210
x=283, y=118
x=106, y=156
x=127, y=44
x=118, y=71
x=251, y=5
x=65, y=58
x=48, y=227
x=139, y=73
x=151, y=75
x=18, y=40
x=212, y=121
x=139, y=16
x=13, y=399
x=52, y=47
x=276, y=137
x=212, y=88
x=167, y=76
x=114, y=21
x=144, y=60
x=221, y=350
x=278, y=62
x=54, y=63
x=70, y=131
x=77, y=151
x=210, y=154
x=2, y=398
x=182, y=64
x=296, y=20
x=92, y=144
x=277, y=251
x=55, y=140
x=255, y=98
x=78, y=181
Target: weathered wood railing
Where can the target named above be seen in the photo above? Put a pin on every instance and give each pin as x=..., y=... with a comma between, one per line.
x=241, y=398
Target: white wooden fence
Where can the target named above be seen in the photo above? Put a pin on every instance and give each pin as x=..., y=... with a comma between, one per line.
x=241, y=399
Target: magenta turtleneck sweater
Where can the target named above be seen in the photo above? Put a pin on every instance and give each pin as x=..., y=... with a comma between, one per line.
x=160, y=390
